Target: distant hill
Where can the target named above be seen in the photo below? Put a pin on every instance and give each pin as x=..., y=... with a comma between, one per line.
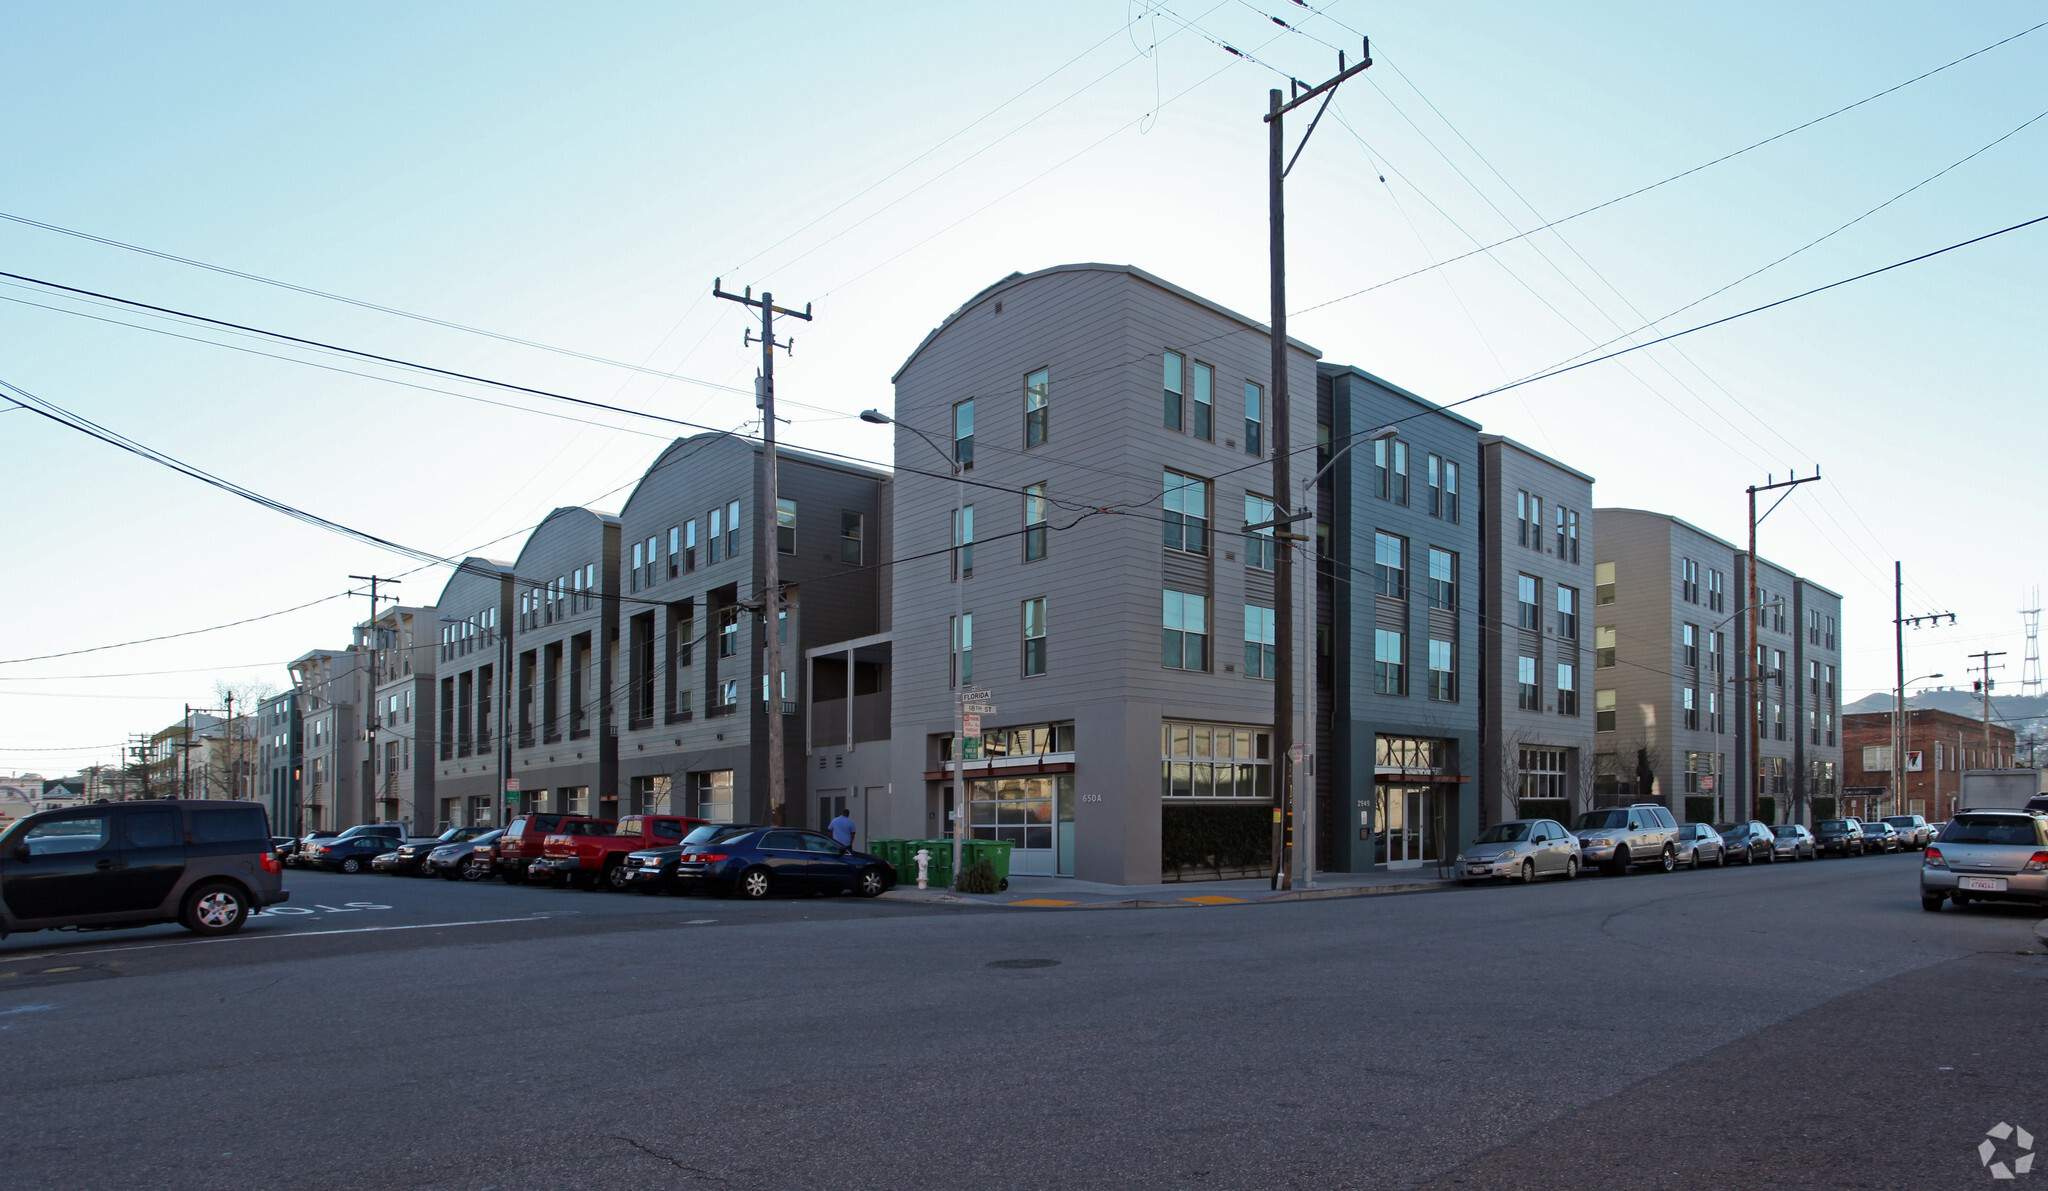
x=2004, y=708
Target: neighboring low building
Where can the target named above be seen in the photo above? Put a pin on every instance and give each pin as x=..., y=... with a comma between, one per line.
x=279, y=758
x=471, y=751
x=333, y=793
x=1939, y=747
x=846, y=725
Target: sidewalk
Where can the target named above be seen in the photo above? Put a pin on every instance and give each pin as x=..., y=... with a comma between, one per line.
x=1064, y=893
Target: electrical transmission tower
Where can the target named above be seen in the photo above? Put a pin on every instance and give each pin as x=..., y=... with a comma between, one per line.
x=2030, y=668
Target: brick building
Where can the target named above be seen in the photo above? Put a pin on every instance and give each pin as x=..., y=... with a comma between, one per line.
x=1939, y=746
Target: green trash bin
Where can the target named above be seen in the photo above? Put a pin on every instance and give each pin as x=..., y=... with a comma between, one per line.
x=939, y=874
x=996, y=852
x=891, y=851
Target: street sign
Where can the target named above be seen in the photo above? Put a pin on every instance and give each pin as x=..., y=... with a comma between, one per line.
x=511, y=783
x=970, y=725
x=978, y=708
x=511, y=796
x=1706, y=783
x=976, y=695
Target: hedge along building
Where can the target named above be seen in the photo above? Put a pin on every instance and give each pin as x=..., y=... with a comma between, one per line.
x=565, y=653
x=474, y=669
x=692, y=697
x=1128, y=653
x=1399, y=714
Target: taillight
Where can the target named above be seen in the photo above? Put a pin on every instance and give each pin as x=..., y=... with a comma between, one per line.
x=1931, y=858
x=2039, y=863
x=715, y=857
x=271, y=864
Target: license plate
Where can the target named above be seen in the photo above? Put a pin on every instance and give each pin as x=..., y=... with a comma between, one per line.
x=1987, y=884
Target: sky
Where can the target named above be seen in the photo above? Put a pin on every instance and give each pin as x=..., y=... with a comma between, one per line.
x=577, y=178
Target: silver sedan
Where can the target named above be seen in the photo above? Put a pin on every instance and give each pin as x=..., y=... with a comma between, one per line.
x=1699, y=844
x=1521, y=850
x=1790, y=841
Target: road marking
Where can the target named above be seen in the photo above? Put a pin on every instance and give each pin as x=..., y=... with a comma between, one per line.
x=1214, y=899
x=1041, y=901
x=299, y=934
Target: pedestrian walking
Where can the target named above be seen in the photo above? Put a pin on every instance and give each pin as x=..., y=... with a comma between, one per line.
x=842, y=829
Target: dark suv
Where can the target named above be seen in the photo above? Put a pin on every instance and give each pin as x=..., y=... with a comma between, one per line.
x=204, y=864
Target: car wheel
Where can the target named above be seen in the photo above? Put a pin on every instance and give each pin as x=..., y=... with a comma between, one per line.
x=1571, y=868
x=1618, y=866
x=1931, y=902
x=755, y=883
x=1528, y=876
x=1721, y=858
x=476, y=870
x=453, y=872
x=616, y=878
x=871, y=883
x=1668, y=862
x=214, y=909
x=1771, y=857
x=352, y=865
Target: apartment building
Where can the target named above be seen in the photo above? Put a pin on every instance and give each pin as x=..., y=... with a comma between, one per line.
x=1676, y=718
x=280, y=760
x=1400, y=708
x=331, y=687
x=1535, y=582
x=398, y=726
x=1113, y=432
x=565, y=654
x=471, y=750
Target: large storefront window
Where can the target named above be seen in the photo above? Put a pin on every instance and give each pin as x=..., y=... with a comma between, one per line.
x=711, y=795
x=1030, y=740
x=1215, y=761
x=1035, y=815
x=1545, y=784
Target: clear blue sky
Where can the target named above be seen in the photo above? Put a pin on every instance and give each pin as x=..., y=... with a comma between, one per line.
x=579, y=177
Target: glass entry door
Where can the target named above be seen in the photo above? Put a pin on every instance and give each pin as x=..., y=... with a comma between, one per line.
x=1408, y=825
x=1020, y=810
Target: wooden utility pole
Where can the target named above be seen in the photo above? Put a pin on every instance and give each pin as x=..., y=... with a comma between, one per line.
x=1984, y=668
x=1277, y=167
x=1756, y=660
x=770, y=534
x=370, y=698
x=1899, y=725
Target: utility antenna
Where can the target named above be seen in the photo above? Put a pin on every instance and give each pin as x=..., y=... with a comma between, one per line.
x=2030, y=668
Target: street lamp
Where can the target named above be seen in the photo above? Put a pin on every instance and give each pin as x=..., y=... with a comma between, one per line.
x=876, y=417
x=1283, y=518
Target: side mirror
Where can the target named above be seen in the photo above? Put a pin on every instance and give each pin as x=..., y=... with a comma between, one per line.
x=22, y=852
x=1634, y=826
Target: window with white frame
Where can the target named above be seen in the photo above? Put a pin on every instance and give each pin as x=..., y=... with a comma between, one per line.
x=1184, y=643
x=1258, y=641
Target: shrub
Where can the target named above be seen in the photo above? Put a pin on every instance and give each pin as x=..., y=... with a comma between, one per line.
x=1767, y=810
x=979, y=877
x=1215, y=837
x=1823, y=808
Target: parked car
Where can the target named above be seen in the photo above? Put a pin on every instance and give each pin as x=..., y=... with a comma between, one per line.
x=1748, y=842
x=520, y=846
x=1522, y=850
x=294, y=855
x=2038, y=804
x=345, y=854
x=1986, y=856
x=1790, y=841
x=465, y=860
x=1914, y=831
x=409, y=858
x=1700, y=844
x=653, y=870
x=202, y=864
x=759, y=861
x=1839, y=837
x=1620, y=837
x=1880, y=836
x=591, y=853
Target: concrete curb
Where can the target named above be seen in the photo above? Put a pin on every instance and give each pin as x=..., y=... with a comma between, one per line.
x=943, y=897
x=2041, y=930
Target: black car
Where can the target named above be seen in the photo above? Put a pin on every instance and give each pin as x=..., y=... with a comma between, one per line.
x=204, y=864
x=1880, y=836
x=344, y=854
x=653, y=870
x=754, y=862
x=1839, y=837
x=409, y=859
x=1748, y=842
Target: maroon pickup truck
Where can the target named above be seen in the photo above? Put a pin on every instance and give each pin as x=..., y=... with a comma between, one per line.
x=590, y=852
x=521, y=844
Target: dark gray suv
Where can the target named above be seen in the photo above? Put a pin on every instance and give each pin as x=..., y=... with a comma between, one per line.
x=203, y=864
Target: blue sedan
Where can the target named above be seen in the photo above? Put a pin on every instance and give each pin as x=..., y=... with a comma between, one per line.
x=351, y=855
x=756, y=861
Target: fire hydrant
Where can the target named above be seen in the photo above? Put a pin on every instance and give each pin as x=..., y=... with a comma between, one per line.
x=924, y=865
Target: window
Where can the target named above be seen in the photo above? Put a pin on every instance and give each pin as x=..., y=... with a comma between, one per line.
x=1714, y=662
x=1689, y=581
x=1174, y=399
x=1687, y=700
x=1187, y=513
x=1530, y=611
x=711, y=795
x=653, y=558
x=1778, y=721
x=1603, y=711
x=1603, y=583
x=1434, y=477
x=732, y=529
x=1544, y=773
x=1379, y=466
x=1400, y=470
x=1571, y=533
x=1697, y=764
x=1389, y=568
x=1813, y=626
x=729, y=693
x=1568, y=613
x=1689, y=646
x=675, y=550
x=963, y=542
x=1258, y=641
x=1529, y=696
x=690, y=544
x=1205, y=402
x=1443, y=579
x=1521, y=518
x=1567, y=689
x=1714, y=721
x=1829, y=641
x=1603, y=646
x=1389, y=662
x=1536, y=524
x=785, y=526
x=1563, y=541
x=1037, y=415
x=1034, y=523
x=852, y=531
x=1258, y=544
x=716, y=520
x=1443, y=671
x=963, y=434
x=961, y=628
x=728, y=632
x=1034, y=637
x=1254, y=418
x=1450, y=491
x=1215, y=761
x=1778, y=667
x=1185, y=640
x=1715, y=595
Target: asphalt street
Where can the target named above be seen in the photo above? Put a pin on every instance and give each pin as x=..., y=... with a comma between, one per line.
x=1791, y=1025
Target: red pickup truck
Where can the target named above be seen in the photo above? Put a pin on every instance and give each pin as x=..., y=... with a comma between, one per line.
x=591, y=852
x=521, y=844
